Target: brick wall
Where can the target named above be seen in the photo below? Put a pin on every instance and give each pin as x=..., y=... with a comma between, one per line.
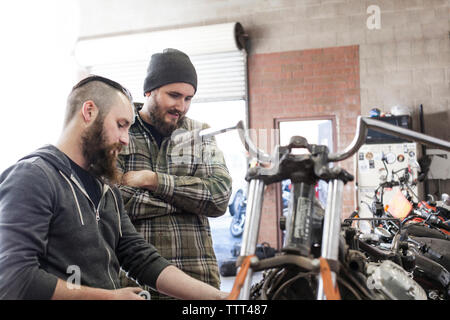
x=304, y=84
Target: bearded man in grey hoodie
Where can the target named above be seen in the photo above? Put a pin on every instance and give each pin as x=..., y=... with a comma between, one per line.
x=64, y=233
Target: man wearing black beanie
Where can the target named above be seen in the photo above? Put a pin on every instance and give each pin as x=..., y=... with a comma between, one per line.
x=167, y=196
x=170, y=66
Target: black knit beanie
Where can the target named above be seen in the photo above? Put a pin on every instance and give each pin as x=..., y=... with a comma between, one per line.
x=170, y=66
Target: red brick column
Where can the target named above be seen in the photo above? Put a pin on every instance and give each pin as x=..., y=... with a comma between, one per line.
x=308, y=83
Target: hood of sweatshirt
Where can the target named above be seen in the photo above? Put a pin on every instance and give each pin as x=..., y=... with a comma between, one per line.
x=54, y=156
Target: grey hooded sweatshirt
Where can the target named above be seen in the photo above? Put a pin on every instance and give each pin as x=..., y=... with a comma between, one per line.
x=50, y=229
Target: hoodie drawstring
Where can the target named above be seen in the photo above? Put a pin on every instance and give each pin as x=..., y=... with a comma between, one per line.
x=118, y=212
x=78, y=205
x=74, y=195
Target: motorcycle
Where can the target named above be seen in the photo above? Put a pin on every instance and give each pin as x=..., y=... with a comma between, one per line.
x=320, y=259
x=417, y=239
x=323, y=258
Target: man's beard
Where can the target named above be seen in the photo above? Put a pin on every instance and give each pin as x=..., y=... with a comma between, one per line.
x=100, y=157
x=157, y=118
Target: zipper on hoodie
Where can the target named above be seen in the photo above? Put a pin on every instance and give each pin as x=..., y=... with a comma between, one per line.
x=96, y=209
x=97, y=219
x=105, y=189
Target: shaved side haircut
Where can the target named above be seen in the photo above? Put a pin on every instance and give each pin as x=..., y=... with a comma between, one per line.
x=103, y=94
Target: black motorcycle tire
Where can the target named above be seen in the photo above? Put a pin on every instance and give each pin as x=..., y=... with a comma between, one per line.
x=237, y=224
x=235, y=206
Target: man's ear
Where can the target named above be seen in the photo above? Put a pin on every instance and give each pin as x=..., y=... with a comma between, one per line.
x=89, y=111
x=151, y=93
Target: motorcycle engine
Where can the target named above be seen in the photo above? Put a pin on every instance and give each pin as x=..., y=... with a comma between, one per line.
x=393, y=281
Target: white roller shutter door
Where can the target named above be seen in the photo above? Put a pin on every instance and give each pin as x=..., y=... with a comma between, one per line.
x=216, y=52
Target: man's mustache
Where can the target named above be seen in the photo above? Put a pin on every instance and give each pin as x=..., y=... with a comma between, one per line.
x=173, y=111
x=115, y=147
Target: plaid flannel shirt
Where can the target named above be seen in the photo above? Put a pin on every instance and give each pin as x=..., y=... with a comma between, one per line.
x=194, y=183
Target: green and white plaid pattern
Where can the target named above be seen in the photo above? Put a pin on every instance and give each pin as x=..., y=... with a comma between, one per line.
x=194, y=183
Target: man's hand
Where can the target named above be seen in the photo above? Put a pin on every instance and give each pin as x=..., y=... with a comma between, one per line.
x=64, y=292
x=146, y=179
x=129, y=293
x=174, y=282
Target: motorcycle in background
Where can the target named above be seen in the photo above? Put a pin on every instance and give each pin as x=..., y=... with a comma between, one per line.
x=238, y=206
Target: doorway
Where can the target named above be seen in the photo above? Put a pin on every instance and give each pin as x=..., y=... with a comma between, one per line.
x=219, y=115
x=318, y=130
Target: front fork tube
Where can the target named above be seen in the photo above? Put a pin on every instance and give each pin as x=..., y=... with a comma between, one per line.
x=330, y=236
x=331, y=229
x=251, y=229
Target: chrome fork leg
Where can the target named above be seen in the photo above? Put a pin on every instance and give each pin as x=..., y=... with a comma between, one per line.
x=251, y=229
x=331, y=229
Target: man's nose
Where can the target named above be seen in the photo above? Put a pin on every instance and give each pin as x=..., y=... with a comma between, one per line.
x=182, y=105
x=124, y=139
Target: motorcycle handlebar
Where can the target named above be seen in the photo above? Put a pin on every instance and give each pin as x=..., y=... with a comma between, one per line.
x=362, y=126
x=185, y=138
